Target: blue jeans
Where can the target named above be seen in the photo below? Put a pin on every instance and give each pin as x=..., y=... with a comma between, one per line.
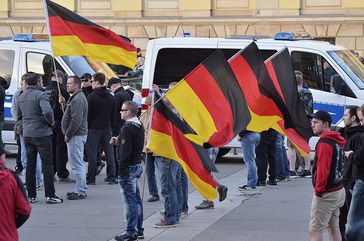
x=24, y=160
x=355, y=221
x=282, y=159
x=133, y=206
x=152, y=183
x=248, y=144
x=75, y=147
x=182, y=190
x=168, y=170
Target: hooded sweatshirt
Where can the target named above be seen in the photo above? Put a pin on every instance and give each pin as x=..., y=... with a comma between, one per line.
x=100, y=109
x=323, y=177
x=14, y=206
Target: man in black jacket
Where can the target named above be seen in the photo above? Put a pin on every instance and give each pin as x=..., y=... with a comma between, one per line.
x=120, y=96
x=131, y=142
x=59, y=147
x=100, y=122
x=353, y=132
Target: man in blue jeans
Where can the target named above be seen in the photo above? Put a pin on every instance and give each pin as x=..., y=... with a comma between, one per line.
x=74, y=128
x=130, y=142
x=249, y=140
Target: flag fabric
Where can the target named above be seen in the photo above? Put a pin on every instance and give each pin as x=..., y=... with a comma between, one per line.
x=281, y=72
x=167, y=139
x=210, y=100
x=266, y=106
x=74, y=35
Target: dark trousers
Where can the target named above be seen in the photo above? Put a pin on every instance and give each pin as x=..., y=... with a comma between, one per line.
x=59, y=148
x=95, y=138
x=266, y=153
x=344, y=210
x=19, y=166
x=43, y=145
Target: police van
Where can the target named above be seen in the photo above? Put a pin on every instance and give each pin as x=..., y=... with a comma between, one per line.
x=333, y=74
x=32, y=53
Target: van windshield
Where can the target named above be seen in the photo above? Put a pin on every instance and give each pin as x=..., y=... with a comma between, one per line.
x=81, y=65
x=350, y=64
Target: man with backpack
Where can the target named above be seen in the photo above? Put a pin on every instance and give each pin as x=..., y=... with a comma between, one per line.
x=329, y=194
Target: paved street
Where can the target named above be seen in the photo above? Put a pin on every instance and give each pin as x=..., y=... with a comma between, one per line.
x=271, y=213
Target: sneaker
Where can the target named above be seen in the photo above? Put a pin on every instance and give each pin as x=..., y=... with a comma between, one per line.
x=205, y=205
x=99, y=168
x=124, y=237
x=272, y=182
x=90, y=182
x=54, y=200
x=261, y=183
x=140, y=235
x=153, y=198
x=32, y=199
x=222, y=190
x=284, y=179
x=162, y=224
x=37, y=188
x=245, y=188
x=66, y=180
x=76, y=196
x=306, y=173
x=72, y=193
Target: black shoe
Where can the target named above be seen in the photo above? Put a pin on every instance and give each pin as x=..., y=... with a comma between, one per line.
x=76, y=196
x=272, y=182
x=66, y=180
x=72, y=193
x=222, y=190
x=123, y=237
x=261, y=183
x=90, y=182
x=99, y=168
x=140, y=235
x=111, y=180
x=305, y=173
x=153, y=198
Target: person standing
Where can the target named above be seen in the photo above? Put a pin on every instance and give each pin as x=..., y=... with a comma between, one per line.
x=329, y=194
x=37, y=118
x=59, y=147
x=355, y=224
x=86, y=84
x=74, y=128
x=100, y=120
x=14, y=206
x=120, y=96
x=130, y=142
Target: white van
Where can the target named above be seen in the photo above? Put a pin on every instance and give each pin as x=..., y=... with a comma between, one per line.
x=334, y=76
x=25, y=54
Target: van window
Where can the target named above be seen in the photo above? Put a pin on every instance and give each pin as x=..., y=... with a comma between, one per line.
x=173, y=64
x=319, y=74
x=6, y=65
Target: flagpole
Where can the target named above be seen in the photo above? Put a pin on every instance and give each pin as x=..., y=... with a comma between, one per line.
x=50, y=41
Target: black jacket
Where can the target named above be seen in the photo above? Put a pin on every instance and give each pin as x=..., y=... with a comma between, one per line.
x=87, y=90
x=120, y=96
x=52, y=92
x=131, y=142
x=357, y=158
x=100, y=109
x=353, y=137
x=2, y=99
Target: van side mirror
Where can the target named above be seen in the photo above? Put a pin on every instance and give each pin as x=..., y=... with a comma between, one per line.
x=337, y=85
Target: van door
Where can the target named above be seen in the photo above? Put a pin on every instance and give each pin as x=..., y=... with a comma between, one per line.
x=330, y=92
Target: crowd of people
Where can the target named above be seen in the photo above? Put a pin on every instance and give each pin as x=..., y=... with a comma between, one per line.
x=55, y=126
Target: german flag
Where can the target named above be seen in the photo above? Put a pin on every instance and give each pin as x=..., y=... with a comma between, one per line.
x=167, y=139
x=266, y=106
x=210, y=100
x=281, y=72
x=74, y=35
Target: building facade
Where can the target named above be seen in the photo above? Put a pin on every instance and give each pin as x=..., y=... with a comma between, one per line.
x=340, y=21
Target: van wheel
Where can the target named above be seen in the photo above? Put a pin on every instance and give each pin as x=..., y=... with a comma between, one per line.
x=223, y=152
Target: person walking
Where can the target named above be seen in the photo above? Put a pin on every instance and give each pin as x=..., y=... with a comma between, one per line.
x=74, y=128
x=329, y=194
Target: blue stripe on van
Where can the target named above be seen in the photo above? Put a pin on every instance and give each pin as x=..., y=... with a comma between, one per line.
x=336, y=111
